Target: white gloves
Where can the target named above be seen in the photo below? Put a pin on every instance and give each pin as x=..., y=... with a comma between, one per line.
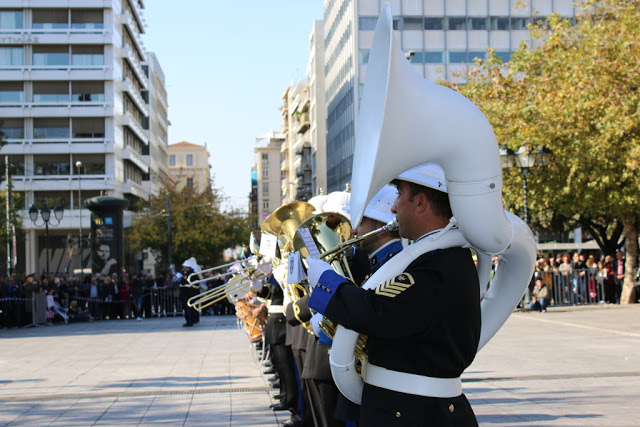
x=265, y=267
x=315, y=320
x=256, y=284
x=315, y=270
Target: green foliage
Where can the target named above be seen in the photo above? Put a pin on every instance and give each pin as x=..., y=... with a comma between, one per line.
x=574, y=90
x=198, y=228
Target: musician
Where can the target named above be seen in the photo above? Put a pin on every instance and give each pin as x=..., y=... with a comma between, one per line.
x=191, y=315
x=423, y=325
x=281, y=355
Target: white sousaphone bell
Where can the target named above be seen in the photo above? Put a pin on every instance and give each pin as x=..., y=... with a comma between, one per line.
x=404, y=122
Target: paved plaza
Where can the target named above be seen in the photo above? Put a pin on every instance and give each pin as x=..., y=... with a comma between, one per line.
x=571, y=366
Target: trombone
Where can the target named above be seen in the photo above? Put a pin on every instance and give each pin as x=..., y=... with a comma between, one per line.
x=219, y=267
x=212, y=296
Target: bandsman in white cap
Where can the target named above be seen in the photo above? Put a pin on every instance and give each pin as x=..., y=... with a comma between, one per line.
x=423, y=325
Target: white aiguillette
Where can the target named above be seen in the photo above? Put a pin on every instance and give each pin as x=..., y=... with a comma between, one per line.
x=268, y=245
x=309, y=243
x=296, y=272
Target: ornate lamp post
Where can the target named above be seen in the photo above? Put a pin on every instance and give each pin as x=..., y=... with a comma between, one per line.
x=45, y=213
x=525, y=159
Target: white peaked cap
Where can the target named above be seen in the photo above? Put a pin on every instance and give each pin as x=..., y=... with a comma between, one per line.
x=336, y=202
x=428, y=175
x=318, y=202
x=379, y=208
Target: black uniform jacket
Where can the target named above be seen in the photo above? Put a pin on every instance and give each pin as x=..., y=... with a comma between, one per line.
x=425, y=321
x=276, y=331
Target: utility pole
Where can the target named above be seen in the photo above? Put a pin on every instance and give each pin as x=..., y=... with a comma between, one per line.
x=169, y=230
x=7, y=172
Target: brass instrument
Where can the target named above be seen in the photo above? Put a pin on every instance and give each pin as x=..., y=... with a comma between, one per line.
x=332, y=230
x=283, y=223
x=236, y=285
x=219, y=267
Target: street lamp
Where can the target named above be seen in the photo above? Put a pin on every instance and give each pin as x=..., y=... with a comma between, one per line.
x=79, y=165
x=525, y=159
x=45, y=213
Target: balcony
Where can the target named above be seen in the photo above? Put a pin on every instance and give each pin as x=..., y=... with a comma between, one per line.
x=56, y=36
x=137, y=159
x=55, y=72
x=57, y=146
x=56, y=109
x=131, y=57
x=303, y=123
x=131, y=187
x=60, y=182
x=132, y=123
x=128, y=86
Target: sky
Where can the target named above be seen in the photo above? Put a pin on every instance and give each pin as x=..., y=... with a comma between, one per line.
x=226, y=66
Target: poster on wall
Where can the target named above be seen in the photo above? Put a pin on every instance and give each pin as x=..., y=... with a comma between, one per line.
x=104, y=260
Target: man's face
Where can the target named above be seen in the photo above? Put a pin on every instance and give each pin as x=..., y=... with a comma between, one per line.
x=366, y=225
x=404, y=208
x=104, y=252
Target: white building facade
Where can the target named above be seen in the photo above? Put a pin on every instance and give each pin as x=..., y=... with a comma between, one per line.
x=445, y=36
x=74, y=87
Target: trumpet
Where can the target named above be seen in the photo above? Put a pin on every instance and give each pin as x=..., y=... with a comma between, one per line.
x=219, y=267
x=234, y=286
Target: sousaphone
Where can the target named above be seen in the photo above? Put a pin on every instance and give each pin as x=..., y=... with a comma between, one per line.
x=404, y=122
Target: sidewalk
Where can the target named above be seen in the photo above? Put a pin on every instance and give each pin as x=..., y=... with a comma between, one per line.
x=571, y=366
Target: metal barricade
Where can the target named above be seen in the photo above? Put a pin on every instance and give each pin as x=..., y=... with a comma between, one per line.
x=573, y=287
x=166, y=302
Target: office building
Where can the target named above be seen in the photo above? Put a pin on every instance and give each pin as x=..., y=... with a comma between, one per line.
x=75, y=87
x=268, y=174
x=445, y=36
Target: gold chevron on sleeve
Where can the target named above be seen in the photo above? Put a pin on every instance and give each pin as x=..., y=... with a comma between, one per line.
x=397, y=285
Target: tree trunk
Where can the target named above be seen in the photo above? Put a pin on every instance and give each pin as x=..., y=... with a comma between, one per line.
x=631, y=244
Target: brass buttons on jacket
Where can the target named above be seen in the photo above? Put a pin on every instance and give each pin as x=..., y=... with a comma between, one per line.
x=398, y=414
x=451, y=408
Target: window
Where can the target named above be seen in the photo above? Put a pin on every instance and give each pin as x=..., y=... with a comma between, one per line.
x=93, y=164
x=265, y=188
x=172, y=160
x=412, y=24
x=396, y=23
x=433, y=23
x=458, y=24
x=518, y=23
x=364, y=56
x=11, y=128
x=265, y=173
x=50, y=91
x=17, y=165
x=499, y=23
x=471, y=56
x=189, y=159
x=505, y=56
x=11, y=92
x=190, y=182
x=88, y=127
x=478, y=23
x=50, y=128
x=11, y=20
x=50, y=55
x=427, y=58
x=131, y=140
x=87, y=19
x=53, y=199
x=265, y=158
x=82, y=91
x=11, y=56
x=457, y=57
x=265, y=204
x=87, y=55
x=367, y=23
x=51, y=165
x=50, y=19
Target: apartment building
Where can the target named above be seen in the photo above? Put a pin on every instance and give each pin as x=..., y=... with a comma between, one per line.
x=189, y=166
x=317, y=110
x=269, y=173
x=296, y=170
x=75, y=114
x=444, y=35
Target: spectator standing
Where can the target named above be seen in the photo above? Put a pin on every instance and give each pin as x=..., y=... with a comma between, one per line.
x=579, y=278
x=609, y=280
x=137, y=289
x=619, y=272
x=125, y=296
x=565, y=271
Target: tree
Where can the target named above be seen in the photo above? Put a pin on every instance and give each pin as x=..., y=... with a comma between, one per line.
x=198, y=228
x=574, y=90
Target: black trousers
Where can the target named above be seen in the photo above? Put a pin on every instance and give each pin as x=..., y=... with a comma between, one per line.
x=282, y=360
x=323, y=395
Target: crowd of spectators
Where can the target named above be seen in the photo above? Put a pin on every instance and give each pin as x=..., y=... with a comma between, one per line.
x=96, y=297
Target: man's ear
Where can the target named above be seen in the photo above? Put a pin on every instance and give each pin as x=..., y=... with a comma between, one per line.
x=422, y=202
